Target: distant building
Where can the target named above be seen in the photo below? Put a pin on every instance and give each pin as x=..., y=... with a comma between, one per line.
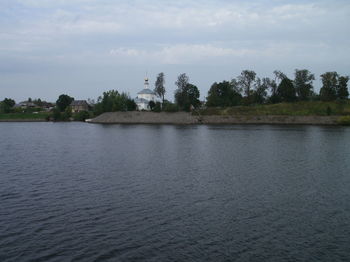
x=145, y=96
x=25, y=105
x=37, y=105
x=79, y=105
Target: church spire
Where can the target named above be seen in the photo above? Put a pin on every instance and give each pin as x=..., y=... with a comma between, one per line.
x=146, y=83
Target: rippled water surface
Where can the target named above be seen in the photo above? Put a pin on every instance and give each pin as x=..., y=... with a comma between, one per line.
x=80, y=192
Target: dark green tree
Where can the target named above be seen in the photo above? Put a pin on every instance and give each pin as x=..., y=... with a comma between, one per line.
x=112, y=101
x=130, y=104
x=56, y=114
x=246, y=81
x=186, y=95
x=6, y=105
x=63, y=102
x=181, y=96
x=279, y=76
x=259, y=95
x=223, y=94
x=303, y=84
x=170, y=107
x=328, y=91
x=342, y=88
x=158, y=107
x=151, y=104
x=81, y=116
x=159, y=86
x=286, y=91
x=9, y=102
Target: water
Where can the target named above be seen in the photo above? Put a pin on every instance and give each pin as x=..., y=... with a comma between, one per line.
x=80, y=192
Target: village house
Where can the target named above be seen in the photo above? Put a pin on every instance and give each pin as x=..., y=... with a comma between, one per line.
x=25, y=105
x=79, y=105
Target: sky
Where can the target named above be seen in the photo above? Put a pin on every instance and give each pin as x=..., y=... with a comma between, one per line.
x=85, y=47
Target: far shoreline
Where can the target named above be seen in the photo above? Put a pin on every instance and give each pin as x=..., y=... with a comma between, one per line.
x=184, y=118
x=187, y=118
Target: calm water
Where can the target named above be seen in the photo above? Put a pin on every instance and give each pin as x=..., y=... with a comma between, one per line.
x=80, y=192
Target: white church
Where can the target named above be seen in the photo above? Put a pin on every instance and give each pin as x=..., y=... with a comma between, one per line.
x=145, y=96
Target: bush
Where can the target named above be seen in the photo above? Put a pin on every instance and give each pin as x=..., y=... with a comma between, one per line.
x=158, y=107
x=344, y=120
x=81, y=116
x=56, y=114
x=170, y=107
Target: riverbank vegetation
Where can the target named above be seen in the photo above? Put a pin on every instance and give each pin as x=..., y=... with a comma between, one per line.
x=303, y=108
x=247, y=94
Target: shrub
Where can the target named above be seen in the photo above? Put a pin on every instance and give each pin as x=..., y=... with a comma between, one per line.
x=170, y=107
x=344, y=120
x=157, y=108
x=81, y=116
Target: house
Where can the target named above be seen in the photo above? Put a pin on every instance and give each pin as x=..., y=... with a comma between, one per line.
x=25, y=105
x=79, y=105
x=144, y=97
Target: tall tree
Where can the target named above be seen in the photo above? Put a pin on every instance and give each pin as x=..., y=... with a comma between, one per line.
x=159, y=86
x=186, y=95
x=63, y=102
x=182, y=81
x=223, y=95
x=286, y=90
x=279, y=76
x=303, y=83
x=246, y=81
x=342, y=88
x=328, y=91
x=260, y=92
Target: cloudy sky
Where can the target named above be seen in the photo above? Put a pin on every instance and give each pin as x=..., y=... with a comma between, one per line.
x=85, y=47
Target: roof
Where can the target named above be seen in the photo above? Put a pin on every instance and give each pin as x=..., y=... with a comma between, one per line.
x=79, y=103
x=146, y=91
x=141, y=100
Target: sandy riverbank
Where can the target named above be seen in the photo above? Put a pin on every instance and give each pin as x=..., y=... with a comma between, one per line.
x=183, y=118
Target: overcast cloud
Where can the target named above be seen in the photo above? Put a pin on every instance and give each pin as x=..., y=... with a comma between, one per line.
x=85, y=47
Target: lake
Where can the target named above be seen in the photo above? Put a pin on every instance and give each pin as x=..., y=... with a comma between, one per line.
x=84, y=192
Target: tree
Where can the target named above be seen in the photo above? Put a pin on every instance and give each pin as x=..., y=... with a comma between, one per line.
x=223, y=95
x=159, y=86
x=63, y=102
x=286, y=90
x=328, y=91
x=112, y=101
x=182, y=81
x=260, y=93
x=38, y=102
x=279, y=76
x=193, y=95
x=81, y=116
x=246, y=81
x=342, y=88
x=186, y=95
x=6, y=105
x=303, y=84
x=151, y=104
x=9, y=102
x=181, y=96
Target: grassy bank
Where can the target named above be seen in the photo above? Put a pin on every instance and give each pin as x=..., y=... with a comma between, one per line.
x=24, y=116
x=316, y=108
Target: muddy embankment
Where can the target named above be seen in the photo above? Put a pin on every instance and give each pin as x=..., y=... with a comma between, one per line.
x=183, y=118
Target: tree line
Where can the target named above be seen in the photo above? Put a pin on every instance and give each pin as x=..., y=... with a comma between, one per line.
x=246, y=89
